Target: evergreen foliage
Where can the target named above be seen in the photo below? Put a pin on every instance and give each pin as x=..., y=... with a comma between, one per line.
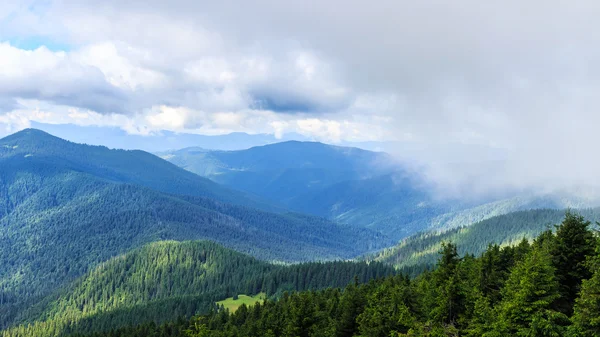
x=419, y=252
x=166, y=280
x=506, y=291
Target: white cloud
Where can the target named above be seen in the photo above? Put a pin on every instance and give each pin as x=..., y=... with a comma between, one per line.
x=55, y=77
x=118, y=69
x=471, y=89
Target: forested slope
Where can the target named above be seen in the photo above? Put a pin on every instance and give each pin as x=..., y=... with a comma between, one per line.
x=550, y=287
x=165, y=280
x=126, y=166
x=418, y=252
x=349, y=185
x=357, y=187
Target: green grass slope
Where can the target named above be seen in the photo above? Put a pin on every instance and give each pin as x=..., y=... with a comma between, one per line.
x=232, y=304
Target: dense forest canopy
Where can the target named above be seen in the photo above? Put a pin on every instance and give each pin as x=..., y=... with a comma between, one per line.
x=168, y=279
x=419, y=252
x=547, y=287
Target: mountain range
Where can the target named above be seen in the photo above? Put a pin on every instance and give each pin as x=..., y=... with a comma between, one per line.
x=93, y=238
x=66, y=207
x=164, y=140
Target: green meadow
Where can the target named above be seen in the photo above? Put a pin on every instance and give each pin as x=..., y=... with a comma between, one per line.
x=232, y=305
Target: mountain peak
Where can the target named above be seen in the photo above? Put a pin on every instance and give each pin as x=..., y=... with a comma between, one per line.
x=29, y=135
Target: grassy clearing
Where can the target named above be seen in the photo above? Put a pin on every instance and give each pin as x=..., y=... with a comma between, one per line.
x=233, y=305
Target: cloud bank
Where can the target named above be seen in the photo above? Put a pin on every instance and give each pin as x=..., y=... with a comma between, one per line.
x=478, y=97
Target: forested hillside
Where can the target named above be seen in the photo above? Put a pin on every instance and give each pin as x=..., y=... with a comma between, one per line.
x=64, y=208
x=418, y=252
x=550, y=287
x=356, y=187
x=283, y=171
x=166, y=280
x=390, y=204
x=134, y=167
x=362, y=188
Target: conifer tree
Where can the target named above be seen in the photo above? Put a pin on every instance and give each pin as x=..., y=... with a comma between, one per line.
x=450, y=295
x=386, y=312
x=586, y=316
x=574, y=243
x=526, y=307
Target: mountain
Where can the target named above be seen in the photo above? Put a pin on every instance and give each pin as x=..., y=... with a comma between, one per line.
x=557, y=200
x=65, y=208
x=348, y=185
x=391, y=204
x=32, y=147
x=357, y=187
x=166, y=280
x=164, y=140
x=420, y=251
x=282, y=171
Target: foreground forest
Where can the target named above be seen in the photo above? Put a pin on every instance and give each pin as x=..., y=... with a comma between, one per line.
x=547, y=287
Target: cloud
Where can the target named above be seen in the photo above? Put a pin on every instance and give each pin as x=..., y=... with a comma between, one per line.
x=55, y=77
x=479, y=96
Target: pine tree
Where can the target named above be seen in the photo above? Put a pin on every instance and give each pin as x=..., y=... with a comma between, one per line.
x=574, y=243
x=491, y=273
x=386, y=312
x=526, y=307
x=586, y=317
x=351, y=305
x=450, y=294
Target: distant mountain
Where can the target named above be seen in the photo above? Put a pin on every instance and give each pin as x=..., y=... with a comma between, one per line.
x=280, y=172
x=557, y=200
x=117, y=138
x=420, y=251
x=349, y=185
x=353, y=186
x=167, y=280
x=392, y=204
x=66, y=207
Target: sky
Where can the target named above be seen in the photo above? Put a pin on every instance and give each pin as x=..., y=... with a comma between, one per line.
x=480, y=96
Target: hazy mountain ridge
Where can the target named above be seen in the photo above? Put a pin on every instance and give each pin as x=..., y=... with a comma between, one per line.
x=282, y=171
x=348, y=185
x=353, y=186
